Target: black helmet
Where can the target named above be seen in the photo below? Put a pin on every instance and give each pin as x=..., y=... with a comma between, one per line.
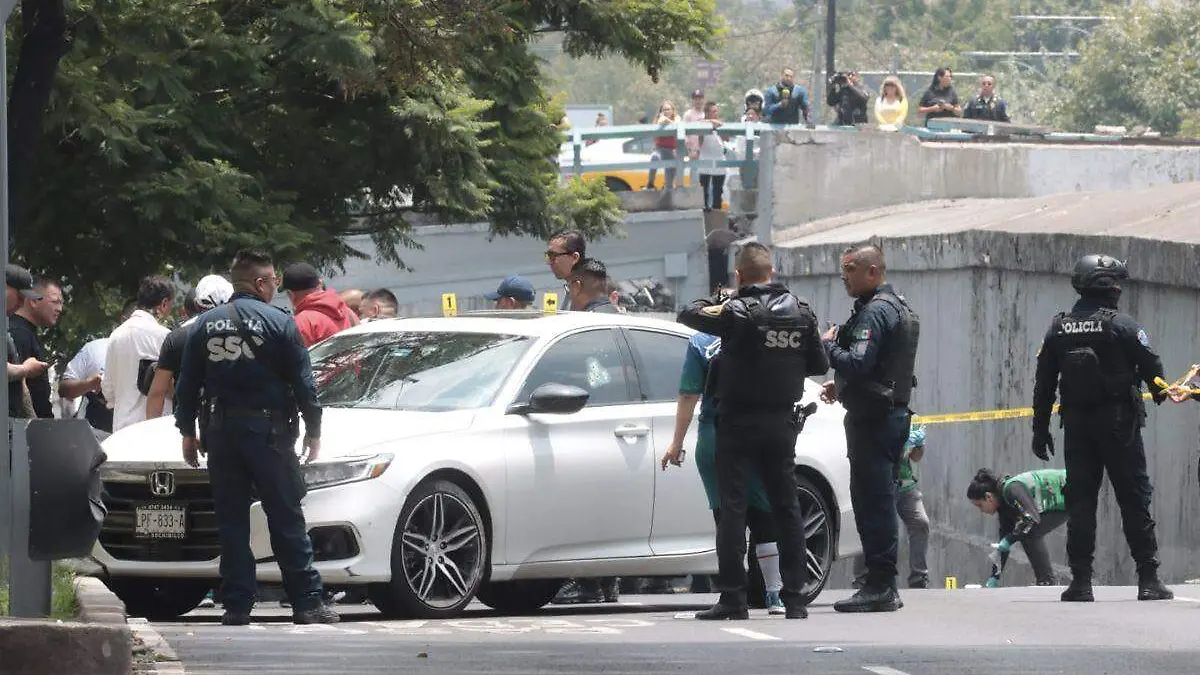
x=1098, y=273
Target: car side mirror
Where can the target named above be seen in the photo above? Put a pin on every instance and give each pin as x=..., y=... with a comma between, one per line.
x=552, y=398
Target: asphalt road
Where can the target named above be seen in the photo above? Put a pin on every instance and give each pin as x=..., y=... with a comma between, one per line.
x=939, y=632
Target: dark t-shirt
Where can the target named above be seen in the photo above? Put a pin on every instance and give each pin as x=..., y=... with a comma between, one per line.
x=170, y=357
x=14, y=386
x=24, y=336
x=935, y=96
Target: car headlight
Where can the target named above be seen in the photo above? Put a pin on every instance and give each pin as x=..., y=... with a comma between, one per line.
x=326, y=474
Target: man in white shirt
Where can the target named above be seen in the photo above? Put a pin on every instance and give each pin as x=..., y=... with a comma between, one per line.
x=132, y=348
x=79, y=387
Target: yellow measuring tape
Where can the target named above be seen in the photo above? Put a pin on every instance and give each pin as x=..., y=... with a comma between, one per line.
x=1012, y=413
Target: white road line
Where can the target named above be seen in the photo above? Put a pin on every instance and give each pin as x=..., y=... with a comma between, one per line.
x=883, y=670
x=632, y=604
x=747, y=633
x=1183, y=599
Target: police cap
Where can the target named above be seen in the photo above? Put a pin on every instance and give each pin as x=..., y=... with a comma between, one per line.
x=1097, y=272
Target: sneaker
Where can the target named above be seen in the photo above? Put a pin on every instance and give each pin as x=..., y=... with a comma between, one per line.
x=775, y=606
x=208, y=602
x=871, y=599
x=319, y=614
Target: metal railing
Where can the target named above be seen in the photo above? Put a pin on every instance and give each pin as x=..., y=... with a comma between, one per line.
x=955, y=129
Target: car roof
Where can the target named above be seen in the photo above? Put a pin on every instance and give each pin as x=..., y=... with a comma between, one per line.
x=517, y=322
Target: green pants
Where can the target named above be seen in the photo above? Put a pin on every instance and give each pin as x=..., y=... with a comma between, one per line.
x=706, y=463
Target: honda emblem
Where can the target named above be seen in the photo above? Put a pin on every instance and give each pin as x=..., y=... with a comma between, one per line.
x=162, y=483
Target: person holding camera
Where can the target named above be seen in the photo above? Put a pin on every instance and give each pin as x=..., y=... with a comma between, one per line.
x=785, y=101
x=846, y=95
x=940, y=100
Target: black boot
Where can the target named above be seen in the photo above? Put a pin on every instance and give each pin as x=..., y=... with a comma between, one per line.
x=1149, y=586
x=610, y=589
x=795, y=610
x=1080, y=589
x=721, y=612
x=235, y=618
x=320, y=614
x=579, y=591
x=872, y=597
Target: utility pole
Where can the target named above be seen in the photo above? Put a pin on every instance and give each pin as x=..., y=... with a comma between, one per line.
x=817, y=83
x=830, y=35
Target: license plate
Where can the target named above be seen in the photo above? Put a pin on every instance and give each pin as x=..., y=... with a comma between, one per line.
x=160, y=521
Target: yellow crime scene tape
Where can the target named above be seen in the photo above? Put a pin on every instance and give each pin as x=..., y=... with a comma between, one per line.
x=1012, y=413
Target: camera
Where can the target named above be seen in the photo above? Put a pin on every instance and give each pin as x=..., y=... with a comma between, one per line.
x=840, y=78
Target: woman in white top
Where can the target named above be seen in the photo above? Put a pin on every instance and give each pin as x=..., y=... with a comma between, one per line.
x=891, y=108
x=712, y=148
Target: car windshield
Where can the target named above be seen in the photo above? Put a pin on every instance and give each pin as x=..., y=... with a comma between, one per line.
x=414, y=370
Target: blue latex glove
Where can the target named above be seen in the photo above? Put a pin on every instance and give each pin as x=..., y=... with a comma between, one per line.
x=992, y=582
x=1004, y=546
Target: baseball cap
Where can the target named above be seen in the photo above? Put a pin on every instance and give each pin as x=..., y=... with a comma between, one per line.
x=513, y=287
x=300, y=277
x=213, y=290
x=20, y=279
x=699, y=93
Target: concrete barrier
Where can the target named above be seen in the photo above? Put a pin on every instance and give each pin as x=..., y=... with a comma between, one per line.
x=99, y=643
x=987, y=276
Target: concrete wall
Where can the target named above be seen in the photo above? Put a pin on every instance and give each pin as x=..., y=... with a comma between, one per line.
x=462, y=259
x=981, y=328
x=816, y=174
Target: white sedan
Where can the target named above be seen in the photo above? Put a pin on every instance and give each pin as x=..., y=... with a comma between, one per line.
x=488, y=456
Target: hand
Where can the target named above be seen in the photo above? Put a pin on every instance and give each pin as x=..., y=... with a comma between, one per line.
x=828, y=392
x=829, y=334
x=312, y=449
x=1043, y=445
x=93, y=383
x=992, y=582
x=674, y=455
x=33, y=368
x=192, y=451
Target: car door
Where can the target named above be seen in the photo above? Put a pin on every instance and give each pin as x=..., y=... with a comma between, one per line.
x=682, y=522
x=581, y=485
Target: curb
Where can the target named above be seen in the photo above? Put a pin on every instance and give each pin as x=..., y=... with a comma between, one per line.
x=98, y=643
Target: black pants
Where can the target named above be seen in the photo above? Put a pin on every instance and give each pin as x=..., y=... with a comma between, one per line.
x=714, y=191
x=766, y=444
x=1098, y=440
x=875, y=444
x=1034, y=544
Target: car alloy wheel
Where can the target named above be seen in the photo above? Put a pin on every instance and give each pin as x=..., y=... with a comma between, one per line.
x=438, y=557
x=818, y=536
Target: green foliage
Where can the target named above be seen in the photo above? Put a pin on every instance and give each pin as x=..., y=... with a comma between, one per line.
x=178, y=132
x=1138, y=70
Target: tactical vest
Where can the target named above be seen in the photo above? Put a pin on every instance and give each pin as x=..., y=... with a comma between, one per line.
x=1093, y=369
x=1045, y=485
x=762, y=367
x=891, y=382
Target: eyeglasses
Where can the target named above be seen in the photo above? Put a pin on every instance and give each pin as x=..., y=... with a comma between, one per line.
x=273, y=279
x=551, y=255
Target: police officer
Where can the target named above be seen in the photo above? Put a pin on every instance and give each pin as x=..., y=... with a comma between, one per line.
x=873, y=355
x=256, y=376
x=769, y=345
x=1098, y=357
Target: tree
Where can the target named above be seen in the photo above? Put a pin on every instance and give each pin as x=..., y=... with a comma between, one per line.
x=1137, y=70
x=176, y=132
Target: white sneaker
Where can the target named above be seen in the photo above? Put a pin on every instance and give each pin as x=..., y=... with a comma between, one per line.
x=775, y=606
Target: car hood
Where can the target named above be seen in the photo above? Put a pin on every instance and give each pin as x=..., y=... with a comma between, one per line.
x=345, y=432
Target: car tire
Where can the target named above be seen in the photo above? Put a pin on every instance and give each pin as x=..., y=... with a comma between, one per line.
x=440, y=534
x=820, y=534
x=519, y=597
x=616, y=184
x=159, y=599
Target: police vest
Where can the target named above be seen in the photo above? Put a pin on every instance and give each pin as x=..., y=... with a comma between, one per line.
x=1047, y=486
x=892, y=380
x=762, y=367
x=1093, y=369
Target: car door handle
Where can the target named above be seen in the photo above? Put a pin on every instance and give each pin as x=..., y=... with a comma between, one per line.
x=631, y=431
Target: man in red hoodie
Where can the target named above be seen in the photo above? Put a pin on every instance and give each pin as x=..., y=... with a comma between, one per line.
x=319, y=312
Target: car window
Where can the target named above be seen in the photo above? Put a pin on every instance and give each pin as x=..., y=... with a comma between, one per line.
x=660, y=362
x=414, y=370
x=638, y=146
x=590, y=361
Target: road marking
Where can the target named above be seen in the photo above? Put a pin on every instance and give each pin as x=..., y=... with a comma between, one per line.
x=633, y=604
x=1183, y=599
x=747, y=633
x=883, y=670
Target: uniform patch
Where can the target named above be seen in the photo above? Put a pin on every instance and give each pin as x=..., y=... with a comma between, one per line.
x=1143, y=338
x=713, y=310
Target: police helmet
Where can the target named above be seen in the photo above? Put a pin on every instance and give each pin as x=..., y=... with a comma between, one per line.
x=1097, y=272
x=754, y=96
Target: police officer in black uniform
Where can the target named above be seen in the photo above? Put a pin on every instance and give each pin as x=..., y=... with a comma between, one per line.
x=1098, y=357
x=873, y=356
x=769, y=346
x=256, y=377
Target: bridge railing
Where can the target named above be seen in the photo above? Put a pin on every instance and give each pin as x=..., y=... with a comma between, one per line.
x=938, y=129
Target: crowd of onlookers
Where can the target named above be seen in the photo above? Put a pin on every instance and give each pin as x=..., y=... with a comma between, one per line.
x=787, y=102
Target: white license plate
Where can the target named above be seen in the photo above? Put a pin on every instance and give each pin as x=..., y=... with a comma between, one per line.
x=160, y=521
